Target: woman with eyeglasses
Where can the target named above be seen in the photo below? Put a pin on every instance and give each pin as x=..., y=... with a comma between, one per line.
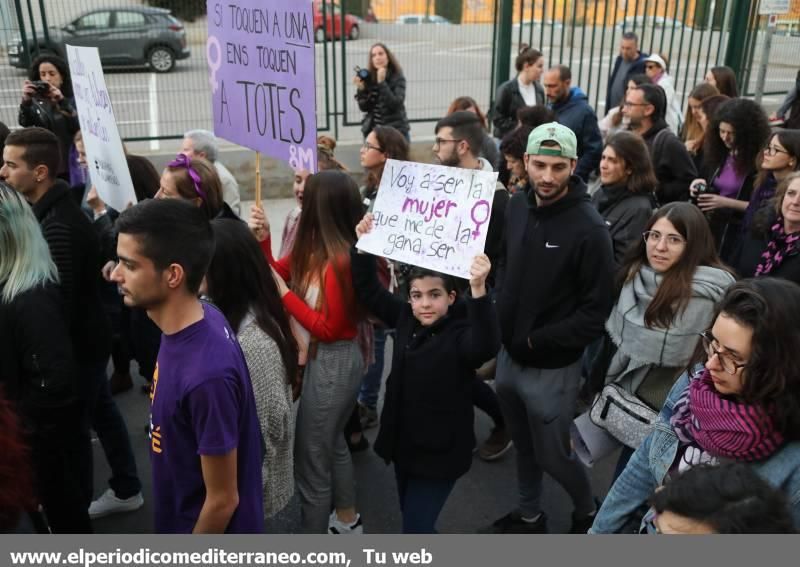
x=195, y=180
x=781, y=157
x=736, y=134
x=667, y=289
x=742, y=405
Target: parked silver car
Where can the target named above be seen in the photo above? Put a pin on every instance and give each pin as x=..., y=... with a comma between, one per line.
x=124, y=36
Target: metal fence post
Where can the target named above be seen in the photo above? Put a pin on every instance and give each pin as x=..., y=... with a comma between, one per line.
x=737, y=46
x=503, y=45
x=762, y=67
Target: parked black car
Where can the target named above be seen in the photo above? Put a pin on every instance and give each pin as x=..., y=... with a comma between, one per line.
x=124, y=36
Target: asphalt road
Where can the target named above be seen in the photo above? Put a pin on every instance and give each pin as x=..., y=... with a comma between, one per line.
x=438, y=69
x=485, y=493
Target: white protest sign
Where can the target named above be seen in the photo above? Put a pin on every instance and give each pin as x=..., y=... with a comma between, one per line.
x=431, y=216
x=108, y=167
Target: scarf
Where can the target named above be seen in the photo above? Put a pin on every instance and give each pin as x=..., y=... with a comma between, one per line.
x=723, y=427
x=640, y=346
x=780, y=246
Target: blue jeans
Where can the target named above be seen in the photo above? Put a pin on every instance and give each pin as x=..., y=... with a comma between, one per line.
x=371, y=382
x=421, y=501
x=105, y=419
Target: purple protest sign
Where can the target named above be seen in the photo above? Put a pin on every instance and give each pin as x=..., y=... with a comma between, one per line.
x=261, y=70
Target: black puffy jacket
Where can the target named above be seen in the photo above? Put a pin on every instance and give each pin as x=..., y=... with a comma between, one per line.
x=383, y=104
x=61, y=119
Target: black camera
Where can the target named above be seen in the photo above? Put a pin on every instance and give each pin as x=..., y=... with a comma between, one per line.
x=42, y=87
x=703, y=189
x=362, y=74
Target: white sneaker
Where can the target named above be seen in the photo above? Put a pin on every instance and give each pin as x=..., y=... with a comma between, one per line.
x=108, y=503
x=335, y=526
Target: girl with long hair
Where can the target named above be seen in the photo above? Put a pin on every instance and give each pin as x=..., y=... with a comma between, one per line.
x=724, y=79
x=692, y=132
x=781, y=157
x=735, y=137
x=382, y=144
x=667, y=289
x=626, y=195
x=320, y=297
x=240, y=283
x=37, y=367
x=523, y=90
x=325, y=160
x=381, y=96
x=741, y=405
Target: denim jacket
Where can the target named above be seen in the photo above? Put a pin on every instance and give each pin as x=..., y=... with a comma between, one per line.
x=651, y=462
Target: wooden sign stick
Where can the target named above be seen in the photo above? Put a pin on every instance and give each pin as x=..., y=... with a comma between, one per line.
x=258, y=179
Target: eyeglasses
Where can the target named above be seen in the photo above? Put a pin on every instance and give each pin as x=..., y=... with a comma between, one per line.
x=440, y=141
x=654, y=237
x=772, y=150
x=367, y=146
x=629, y=103
x=725, y=361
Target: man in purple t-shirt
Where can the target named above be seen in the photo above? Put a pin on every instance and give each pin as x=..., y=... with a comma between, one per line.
x=206, y=442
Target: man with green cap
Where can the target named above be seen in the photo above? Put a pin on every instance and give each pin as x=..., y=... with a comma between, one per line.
x=554, y=294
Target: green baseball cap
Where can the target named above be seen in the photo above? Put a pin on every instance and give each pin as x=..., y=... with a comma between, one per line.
x=553, y=132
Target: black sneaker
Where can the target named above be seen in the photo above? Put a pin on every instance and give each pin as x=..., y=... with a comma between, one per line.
x=513, y=523
x=581, y=524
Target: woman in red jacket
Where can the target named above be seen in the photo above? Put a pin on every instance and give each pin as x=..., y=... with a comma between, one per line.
x=320, y=298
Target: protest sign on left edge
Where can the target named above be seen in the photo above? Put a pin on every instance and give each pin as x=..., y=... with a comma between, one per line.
x=108, y=167
x=261, y=60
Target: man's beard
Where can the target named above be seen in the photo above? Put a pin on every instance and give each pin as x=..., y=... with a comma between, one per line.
x=555, y=195
x=450, y=160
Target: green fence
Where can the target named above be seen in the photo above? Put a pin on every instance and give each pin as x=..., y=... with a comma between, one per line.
x=441, y=61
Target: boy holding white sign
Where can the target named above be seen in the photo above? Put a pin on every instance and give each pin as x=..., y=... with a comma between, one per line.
x=426, y=423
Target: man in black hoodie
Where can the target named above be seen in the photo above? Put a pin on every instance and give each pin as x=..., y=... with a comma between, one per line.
x=31, y=161
x=554, y=293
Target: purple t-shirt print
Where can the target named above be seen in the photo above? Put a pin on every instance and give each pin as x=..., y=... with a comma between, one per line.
x=202, y=404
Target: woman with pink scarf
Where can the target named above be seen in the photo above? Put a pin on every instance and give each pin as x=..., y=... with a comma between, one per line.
x=742, y=405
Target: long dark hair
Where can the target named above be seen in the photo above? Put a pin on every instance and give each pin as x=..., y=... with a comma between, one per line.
x=325, y=233
x=393, y=145
x=239, y=281
x=632, y=150
x=393, y=66
x=751, y=130
x=771, y=308
x=726, y=81
x=675, y=290
x=60, y=65
x=789, y=139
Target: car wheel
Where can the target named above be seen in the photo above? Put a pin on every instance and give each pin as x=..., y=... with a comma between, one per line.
x=319, y=35
x=161, y=59
x=354, y=33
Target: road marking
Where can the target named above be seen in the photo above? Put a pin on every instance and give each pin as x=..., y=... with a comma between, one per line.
x=154, y=144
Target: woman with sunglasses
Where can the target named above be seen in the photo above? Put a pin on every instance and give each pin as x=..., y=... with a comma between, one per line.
x=742, y=405
x=655, y=67
x=668, y=286
x=781, y=157
x=195, y=180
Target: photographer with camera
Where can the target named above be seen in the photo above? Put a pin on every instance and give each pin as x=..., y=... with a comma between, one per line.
x=734, y=137
x=47, y=102
x=381, y=92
